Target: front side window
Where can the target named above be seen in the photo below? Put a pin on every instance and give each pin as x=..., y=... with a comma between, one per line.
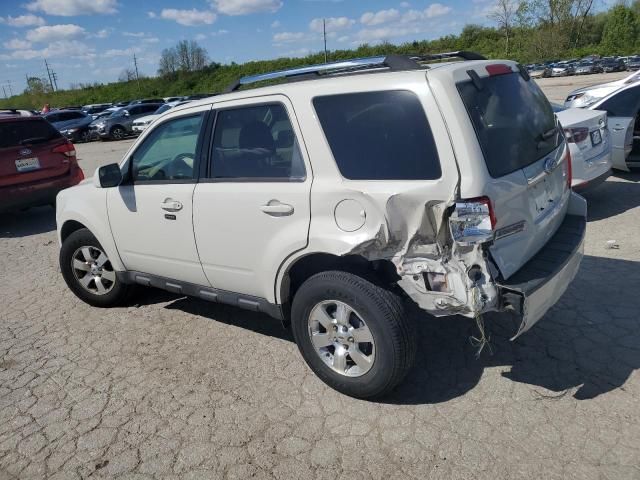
x=168, y=152
x=379, y=135
x=256, y=142
x=622, y=104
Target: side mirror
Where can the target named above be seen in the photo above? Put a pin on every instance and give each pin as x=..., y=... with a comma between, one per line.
x=126, y=113
x=108, y=176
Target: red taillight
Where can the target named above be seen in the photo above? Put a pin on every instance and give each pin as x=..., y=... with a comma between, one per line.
x=498, y=69
x=567, y=159
x=576, y=135
x=79, y=175
x=66, y=149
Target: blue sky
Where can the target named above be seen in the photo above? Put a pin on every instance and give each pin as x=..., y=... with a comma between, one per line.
x=95, y=40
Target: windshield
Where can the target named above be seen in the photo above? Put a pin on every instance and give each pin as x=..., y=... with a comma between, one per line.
x=162, y=109
x=513, y=120
x=117, y=113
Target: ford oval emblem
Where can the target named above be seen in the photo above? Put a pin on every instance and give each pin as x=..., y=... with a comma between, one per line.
x=550, y=164
x=24, y=152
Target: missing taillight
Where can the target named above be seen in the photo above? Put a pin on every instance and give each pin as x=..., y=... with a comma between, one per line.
x=473, y=221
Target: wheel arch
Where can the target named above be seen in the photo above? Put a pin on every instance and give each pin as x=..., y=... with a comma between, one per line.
x=380, y=272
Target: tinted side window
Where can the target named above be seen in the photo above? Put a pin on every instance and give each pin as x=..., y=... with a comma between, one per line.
x=379, y=136
x=148, y=108
x=168, y=152
x=622, y=104
x=256, y=142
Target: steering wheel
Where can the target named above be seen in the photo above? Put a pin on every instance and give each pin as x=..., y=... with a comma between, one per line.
x=180, y=168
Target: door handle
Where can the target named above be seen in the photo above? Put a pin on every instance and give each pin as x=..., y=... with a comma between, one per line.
x=277, y=209
x=171, y=205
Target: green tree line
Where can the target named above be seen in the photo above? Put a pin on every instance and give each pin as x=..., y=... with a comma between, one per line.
x=526, y=31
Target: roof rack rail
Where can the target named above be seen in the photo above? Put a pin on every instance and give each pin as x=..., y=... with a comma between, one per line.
x=388, y=62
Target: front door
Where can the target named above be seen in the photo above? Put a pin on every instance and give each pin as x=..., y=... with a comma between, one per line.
x=151, y=213
x=253, y=210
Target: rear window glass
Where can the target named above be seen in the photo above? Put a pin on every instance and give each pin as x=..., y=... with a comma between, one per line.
x=379, y=136
x=513, y=120
x=13, y=134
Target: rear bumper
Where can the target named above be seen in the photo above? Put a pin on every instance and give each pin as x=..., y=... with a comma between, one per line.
x=37, y=193
x=591, y=184
x=540, y=283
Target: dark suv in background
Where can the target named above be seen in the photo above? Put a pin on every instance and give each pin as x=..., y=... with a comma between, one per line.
x=73, y=124
x=36, y=162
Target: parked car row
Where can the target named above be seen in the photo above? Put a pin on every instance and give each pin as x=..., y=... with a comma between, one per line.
x=586, y=66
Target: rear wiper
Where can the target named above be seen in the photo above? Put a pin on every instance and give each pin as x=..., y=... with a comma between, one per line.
x=27, y=141
x=544, y=136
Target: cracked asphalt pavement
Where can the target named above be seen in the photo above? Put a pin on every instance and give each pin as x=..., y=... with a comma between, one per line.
x=173, y=387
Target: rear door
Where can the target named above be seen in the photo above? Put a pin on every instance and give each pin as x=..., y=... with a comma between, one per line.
x=525, y=156
x=26, y=151
x=253, y=209
x=622, y=109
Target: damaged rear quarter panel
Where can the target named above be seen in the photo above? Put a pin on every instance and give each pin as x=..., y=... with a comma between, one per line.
x=405, y=222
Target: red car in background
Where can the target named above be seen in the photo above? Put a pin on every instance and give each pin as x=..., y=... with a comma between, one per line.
x=36, y=162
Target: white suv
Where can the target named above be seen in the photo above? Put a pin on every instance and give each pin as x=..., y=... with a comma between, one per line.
x=330, y=200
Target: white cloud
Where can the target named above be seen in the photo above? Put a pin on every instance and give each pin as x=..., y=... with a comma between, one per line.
x=134, y=34
x=151, y=40
x=405, y=4
x=17, y=44
x=333, y=24
x=436, y=10
x=70, y=8
x=54, y=32
x=104, y=33
x=151, y=15
x=200, y=37
x=288, y=37
x=23, y=21
x=378, y=18
x=276, y=24
x=189, y=18
x=246, y=7
x=62, y=48
x=121, y=52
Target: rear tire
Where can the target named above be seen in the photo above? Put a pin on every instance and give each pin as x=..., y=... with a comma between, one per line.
x=353, y=334
x=88, y=272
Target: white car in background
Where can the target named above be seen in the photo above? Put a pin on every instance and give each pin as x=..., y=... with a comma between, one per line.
x=589, y=142
x=587, y=96
x=140, y=124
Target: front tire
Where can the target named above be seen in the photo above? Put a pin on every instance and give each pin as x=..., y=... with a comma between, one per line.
x=118, y=133
x=88, y=272
x=353, y=334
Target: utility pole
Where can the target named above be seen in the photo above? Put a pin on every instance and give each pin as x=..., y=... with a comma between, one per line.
x=48, y=73
x=135, y=63
x=55, y=79
x=5, y=92
x=10, y=89
x=324, y=34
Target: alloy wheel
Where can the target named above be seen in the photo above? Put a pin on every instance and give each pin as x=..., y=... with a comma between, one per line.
x=93, y=270
x=341, y=338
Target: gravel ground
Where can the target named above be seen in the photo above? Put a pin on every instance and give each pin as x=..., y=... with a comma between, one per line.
x=173, y=387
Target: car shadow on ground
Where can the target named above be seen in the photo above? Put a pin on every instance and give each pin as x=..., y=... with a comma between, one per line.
x=32, y=221
x=585, y=346
x=612, y=197
x=227, y=314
